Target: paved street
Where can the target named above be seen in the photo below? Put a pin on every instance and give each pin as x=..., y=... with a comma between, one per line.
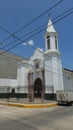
x=53, y=118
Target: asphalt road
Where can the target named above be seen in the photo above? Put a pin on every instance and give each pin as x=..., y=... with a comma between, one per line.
x=53, y=118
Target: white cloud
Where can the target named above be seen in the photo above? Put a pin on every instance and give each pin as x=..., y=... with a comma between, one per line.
x=31, y=42
x=24, y=44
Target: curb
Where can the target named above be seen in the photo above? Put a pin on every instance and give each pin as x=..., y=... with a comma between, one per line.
x=30, y=105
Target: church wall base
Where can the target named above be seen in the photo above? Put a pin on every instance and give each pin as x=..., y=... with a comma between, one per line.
x=13, y=95
x=26, y=97
x=50, y=96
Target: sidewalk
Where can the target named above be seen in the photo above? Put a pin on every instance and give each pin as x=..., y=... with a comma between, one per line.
x=29, y=105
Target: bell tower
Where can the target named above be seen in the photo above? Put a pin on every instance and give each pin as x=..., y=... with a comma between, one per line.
x=52, y=58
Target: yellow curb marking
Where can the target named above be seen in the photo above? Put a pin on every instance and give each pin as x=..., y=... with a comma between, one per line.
x=30, y=105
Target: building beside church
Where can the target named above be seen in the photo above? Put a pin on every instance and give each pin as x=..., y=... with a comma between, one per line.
x=41, y=75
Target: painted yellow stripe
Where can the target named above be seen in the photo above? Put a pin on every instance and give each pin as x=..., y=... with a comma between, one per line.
x=30, y=105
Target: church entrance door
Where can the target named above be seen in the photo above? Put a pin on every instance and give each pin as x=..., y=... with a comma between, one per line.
x=38, y=88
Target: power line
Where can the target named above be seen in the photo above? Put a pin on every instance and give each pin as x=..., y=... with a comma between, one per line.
x=17, y=59
x=39, y=16
x=13, y=36
x=58, y=19
x=22, y=41
x=49, y=71
x=36, y=33
x=9, y=57
x=10, y=34
x=23, y=36
x=32, y=21
x=53, y=22
x=40, y=26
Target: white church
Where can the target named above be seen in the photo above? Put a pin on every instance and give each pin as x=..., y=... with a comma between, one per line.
x=41, y=75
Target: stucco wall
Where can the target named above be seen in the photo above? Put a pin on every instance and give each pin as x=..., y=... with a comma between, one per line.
x=48, y=74
x=68, y=80
x=53, y=72
x=7, y=83
x=8, y=65
x=22, y=76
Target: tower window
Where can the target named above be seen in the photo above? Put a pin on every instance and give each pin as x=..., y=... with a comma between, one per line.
x=48, y=42
x=48, y=37
x=55, y=42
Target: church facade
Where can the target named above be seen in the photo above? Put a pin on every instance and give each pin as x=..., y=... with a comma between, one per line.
x=42, y=75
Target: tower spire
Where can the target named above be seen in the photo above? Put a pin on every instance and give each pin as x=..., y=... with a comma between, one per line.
x=50, y=27
x=51, y=37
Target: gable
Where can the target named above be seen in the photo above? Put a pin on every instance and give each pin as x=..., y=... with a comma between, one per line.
x=38, y=54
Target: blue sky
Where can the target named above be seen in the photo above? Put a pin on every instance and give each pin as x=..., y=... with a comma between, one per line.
x=14, y=14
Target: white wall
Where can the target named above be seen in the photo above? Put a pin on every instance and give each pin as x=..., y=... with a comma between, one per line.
x=38, y=54
x=48, y=74
x=22, y=76
x=68, y=80
x=53, y=73
x=57, y=72
x=8, y=82
x=5, y=83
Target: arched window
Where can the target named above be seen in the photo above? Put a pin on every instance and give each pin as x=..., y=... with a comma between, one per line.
x=48, y=42
x=37, y=63
x=55, y=42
